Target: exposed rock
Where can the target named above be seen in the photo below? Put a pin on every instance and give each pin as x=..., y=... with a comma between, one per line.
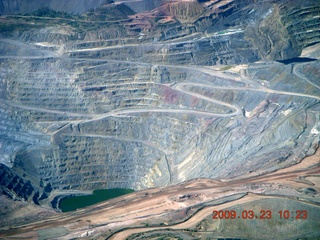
x=71, y=6
x=116, y=99
x=285, y=30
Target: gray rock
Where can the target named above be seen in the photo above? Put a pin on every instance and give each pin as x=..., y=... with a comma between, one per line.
x=88, y=102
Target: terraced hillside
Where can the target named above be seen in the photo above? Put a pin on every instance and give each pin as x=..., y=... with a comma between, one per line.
x=113, y=99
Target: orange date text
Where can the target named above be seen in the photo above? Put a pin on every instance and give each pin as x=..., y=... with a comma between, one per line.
x=262, y=214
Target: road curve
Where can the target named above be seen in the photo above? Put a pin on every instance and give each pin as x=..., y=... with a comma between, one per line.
x=299, y=75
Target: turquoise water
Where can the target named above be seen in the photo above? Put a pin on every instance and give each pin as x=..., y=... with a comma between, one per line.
x=72, y=203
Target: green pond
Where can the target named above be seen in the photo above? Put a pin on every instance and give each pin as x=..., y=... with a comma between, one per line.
x=72, y=203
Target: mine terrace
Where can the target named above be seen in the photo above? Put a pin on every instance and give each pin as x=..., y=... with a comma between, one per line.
x=199, y=106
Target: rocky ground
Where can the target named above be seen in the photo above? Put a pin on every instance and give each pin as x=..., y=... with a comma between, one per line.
x=186, y=210
x=186, y=90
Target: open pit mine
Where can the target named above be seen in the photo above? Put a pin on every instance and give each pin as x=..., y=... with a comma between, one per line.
x=208, y=109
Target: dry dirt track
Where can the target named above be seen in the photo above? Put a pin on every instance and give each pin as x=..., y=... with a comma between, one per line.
x=308, y=167
x=199, y=216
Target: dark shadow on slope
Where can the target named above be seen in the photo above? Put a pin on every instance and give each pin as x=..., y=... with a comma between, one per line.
x=297, y=60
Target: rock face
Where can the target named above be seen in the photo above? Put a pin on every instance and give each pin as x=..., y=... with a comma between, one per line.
x=112, y=99
x=71, y=6
x=286, y=30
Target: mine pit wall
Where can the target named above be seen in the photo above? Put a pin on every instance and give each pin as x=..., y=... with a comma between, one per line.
x=219, y=49
x=286, y=30
x=72, y=159
x=107, y=153
x=70, y=6
x=150, y=149
x=95, y=163
x=14, y=186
